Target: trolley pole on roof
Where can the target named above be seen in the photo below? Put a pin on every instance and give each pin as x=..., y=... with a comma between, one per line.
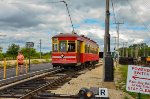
x=69, y=15
x=108, y=61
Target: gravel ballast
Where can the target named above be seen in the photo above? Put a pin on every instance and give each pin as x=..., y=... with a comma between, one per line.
x=89, y=79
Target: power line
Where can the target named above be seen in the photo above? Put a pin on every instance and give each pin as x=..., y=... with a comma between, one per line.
x=113, y=11
x=114, y=14
x=140, y=19
x=138, y=16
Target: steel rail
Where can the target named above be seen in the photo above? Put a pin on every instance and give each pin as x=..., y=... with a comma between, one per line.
x=31, y=78
x=35, y=90
x=49, y=84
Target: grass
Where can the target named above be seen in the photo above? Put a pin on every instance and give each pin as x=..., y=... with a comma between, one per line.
x=8, y=65
x=47, y=60
x=35, y=62
x=126, y=97
x=124, y=69
x=43, y=61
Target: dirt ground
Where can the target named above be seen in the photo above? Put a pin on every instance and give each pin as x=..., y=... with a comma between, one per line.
x=89, y=79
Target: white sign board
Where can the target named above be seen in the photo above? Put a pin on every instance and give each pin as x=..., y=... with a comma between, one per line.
x=29, y=44
x=103, y=92
x=138, y=79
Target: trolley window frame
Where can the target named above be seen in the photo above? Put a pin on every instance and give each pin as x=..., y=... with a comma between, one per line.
x=55, y=42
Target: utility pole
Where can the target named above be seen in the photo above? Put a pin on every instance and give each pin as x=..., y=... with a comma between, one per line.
x=136, y=52
x=2, y=35
x=115, y=54
x=115, y=42
x=126, y=49
x=108, y=61
x=132, y=51
x=123, y=49
x=144, y=50
x=118, y=23
x=40, y=49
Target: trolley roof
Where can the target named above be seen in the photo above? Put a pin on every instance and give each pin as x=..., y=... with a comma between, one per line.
x=74, y=35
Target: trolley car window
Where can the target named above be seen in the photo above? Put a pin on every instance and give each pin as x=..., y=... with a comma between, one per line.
x=78, y=46
x=62, y=46
x=88, y=48
x=71, y=46
x=55, y=40
x=55, y=47
x=86, y=51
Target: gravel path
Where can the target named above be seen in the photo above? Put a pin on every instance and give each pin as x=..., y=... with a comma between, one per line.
x=89, y=79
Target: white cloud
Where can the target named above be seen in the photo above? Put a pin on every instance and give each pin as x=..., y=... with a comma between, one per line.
x=28, y=20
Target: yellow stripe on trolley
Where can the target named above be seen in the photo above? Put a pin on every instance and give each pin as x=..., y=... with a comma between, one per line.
x=76, y=45
x=82, y=47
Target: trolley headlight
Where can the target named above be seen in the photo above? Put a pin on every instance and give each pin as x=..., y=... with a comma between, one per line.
x=89, y=94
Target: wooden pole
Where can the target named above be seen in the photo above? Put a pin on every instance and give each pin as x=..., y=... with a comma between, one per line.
x=17, y=67
x=26, y=66
x=4, y=68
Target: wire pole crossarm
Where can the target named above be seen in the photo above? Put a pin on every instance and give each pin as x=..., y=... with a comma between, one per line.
x=69, y=15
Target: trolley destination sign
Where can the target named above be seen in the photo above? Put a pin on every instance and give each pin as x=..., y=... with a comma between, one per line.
x=138, y=79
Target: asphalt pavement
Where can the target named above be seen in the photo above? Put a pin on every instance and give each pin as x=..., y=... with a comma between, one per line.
x=11, y=72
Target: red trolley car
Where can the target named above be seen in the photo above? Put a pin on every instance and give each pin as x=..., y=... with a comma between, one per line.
x=70, y=49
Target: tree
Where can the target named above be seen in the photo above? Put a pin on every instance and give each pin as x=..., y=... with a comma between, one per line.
x=138, y=50
x=1, y=49
x=1, y=54
x=13, y=50
x=33, y=52
x=47, y=55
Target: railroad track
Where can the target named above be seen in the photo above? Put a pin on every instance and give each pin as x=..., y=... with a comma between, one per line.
x=37, y=87
x=24, y=89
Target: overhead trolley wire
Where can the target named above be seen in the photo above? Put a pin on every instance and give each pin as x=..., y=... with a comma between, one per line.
x=141, y=21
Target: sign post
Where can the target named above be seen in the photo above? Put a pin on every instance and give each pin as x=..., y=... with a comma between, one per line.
x=139, y=95
x=29, y=45
x=138, y=80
